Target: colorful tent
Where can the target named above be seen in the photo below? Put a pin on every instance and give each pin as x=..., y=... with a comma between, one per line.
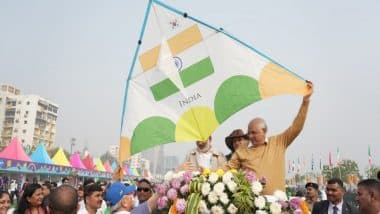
x=88, y=163
x=40, y=155
x=15, y=151
x=76, y=162
x=60, y=158
x=135, y=172
x=107, y=166
x=99, y=165
x=176, y=60
x=114, y=165
x=126, y=170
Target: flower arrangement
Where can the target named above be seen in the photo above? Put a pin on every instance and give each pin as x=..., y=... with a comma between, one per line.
x=231, y=192
x=174, y=192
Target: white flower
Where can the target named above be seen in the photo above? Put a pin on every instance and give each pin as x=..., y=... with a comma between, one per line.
x=227, y=177
x=219, y=188
x=261, y=212
x=168, y=176
x=213, y=178
x=212, y=197
x=256, y=187
x=203, y=207
x=224, y=198
x=232, y=186
x=217, y=210
x=280, y=195
x=205, y=189
x=232, y=209
x=275, y=208
x=260, y=202
x=179, y=174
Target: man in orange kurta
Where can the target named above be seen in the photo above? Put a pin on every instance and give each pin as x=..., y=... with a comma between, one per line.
x=266, y=156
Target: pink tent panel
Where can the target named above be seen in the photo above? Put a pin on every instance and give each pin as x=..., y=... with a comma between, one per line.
x=88, y=163
x=15, y=151
x=76, y=162
x=107, y=166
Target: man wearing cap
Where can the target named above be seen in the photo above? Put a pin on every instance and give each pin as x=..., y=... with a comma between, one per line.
x=203, y=157
x=236, y=140
x=266, y=156
x=311, y=195
x=122, y=200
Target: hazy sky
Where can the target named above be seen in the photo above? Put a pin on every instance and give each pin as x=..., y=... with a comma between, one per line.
x=78, y=54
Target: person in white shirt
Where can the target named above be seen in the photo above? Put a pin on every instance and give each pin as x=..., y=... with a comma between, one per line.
x=93, y=198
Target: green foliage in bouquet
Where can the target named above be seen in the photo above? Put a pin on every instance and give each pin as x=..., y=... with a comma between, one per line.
x=243, y=198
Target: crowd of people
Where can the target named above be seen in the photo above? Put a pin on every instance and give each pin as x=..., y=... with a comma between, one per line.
x=249, y=151
x=140, y=198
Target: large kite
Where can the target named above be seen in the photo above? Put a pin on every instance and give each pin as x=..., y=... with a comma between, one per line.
x=188, y=77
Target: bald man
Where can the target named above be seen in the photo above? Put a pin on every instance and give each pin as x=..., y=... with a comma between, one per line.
x=266, y=156
x=63, y=200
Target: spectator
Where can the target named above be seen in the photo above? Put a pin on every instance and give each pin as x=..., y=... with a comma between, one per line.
x=65, y=180
x=46, y=188
x=88, y=182
x=92, y=200
x=369, y=196
x=144, y=190
x=311, y=195
x=236, y=140
x=5, y=202
x=121, y=199
x=80, y=193
x=63, y=200
x=334, y=203
x=31, y=200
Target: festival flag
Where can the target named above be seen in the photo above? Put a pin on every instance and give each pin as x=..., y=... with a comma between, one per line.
x=312, y=162
x=293, y=166
x=298, y=165
x=320, y=162
x=370, y=162
x=330, y=160
x=168, y=97
x=337, y=156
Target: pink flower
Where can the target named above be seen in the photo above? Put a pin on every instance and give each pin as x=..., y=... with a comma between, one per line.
x=295, y=203
x=162, y=202
x=283, y=204
x=161, y=189
x=172, y=194
x=184, y=189
x=250, y=176
x=187, y=176
x=175, y=183
x=180, y=205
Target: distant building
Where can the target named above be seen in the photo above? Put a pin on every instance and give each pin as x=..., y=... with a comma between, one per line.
x=155, y=156
x=171, y=162
x=31, y=118
x=114, y=151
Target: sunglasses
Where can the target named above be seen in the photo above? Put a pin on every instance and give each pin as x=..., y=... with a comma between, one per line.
x=139, y=189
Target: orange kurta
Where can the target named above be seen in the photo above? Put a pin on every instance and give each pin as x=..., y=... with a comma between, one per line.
x=269, y=159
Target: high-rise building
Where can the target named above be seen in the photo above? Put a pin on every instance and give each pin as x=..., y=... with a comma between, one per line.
x=30, y=118
x=114, y=151
x=171, y=163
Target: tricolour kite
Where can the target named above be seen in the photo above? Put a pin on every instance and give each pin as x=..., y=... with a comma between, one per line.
x=188, y=77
